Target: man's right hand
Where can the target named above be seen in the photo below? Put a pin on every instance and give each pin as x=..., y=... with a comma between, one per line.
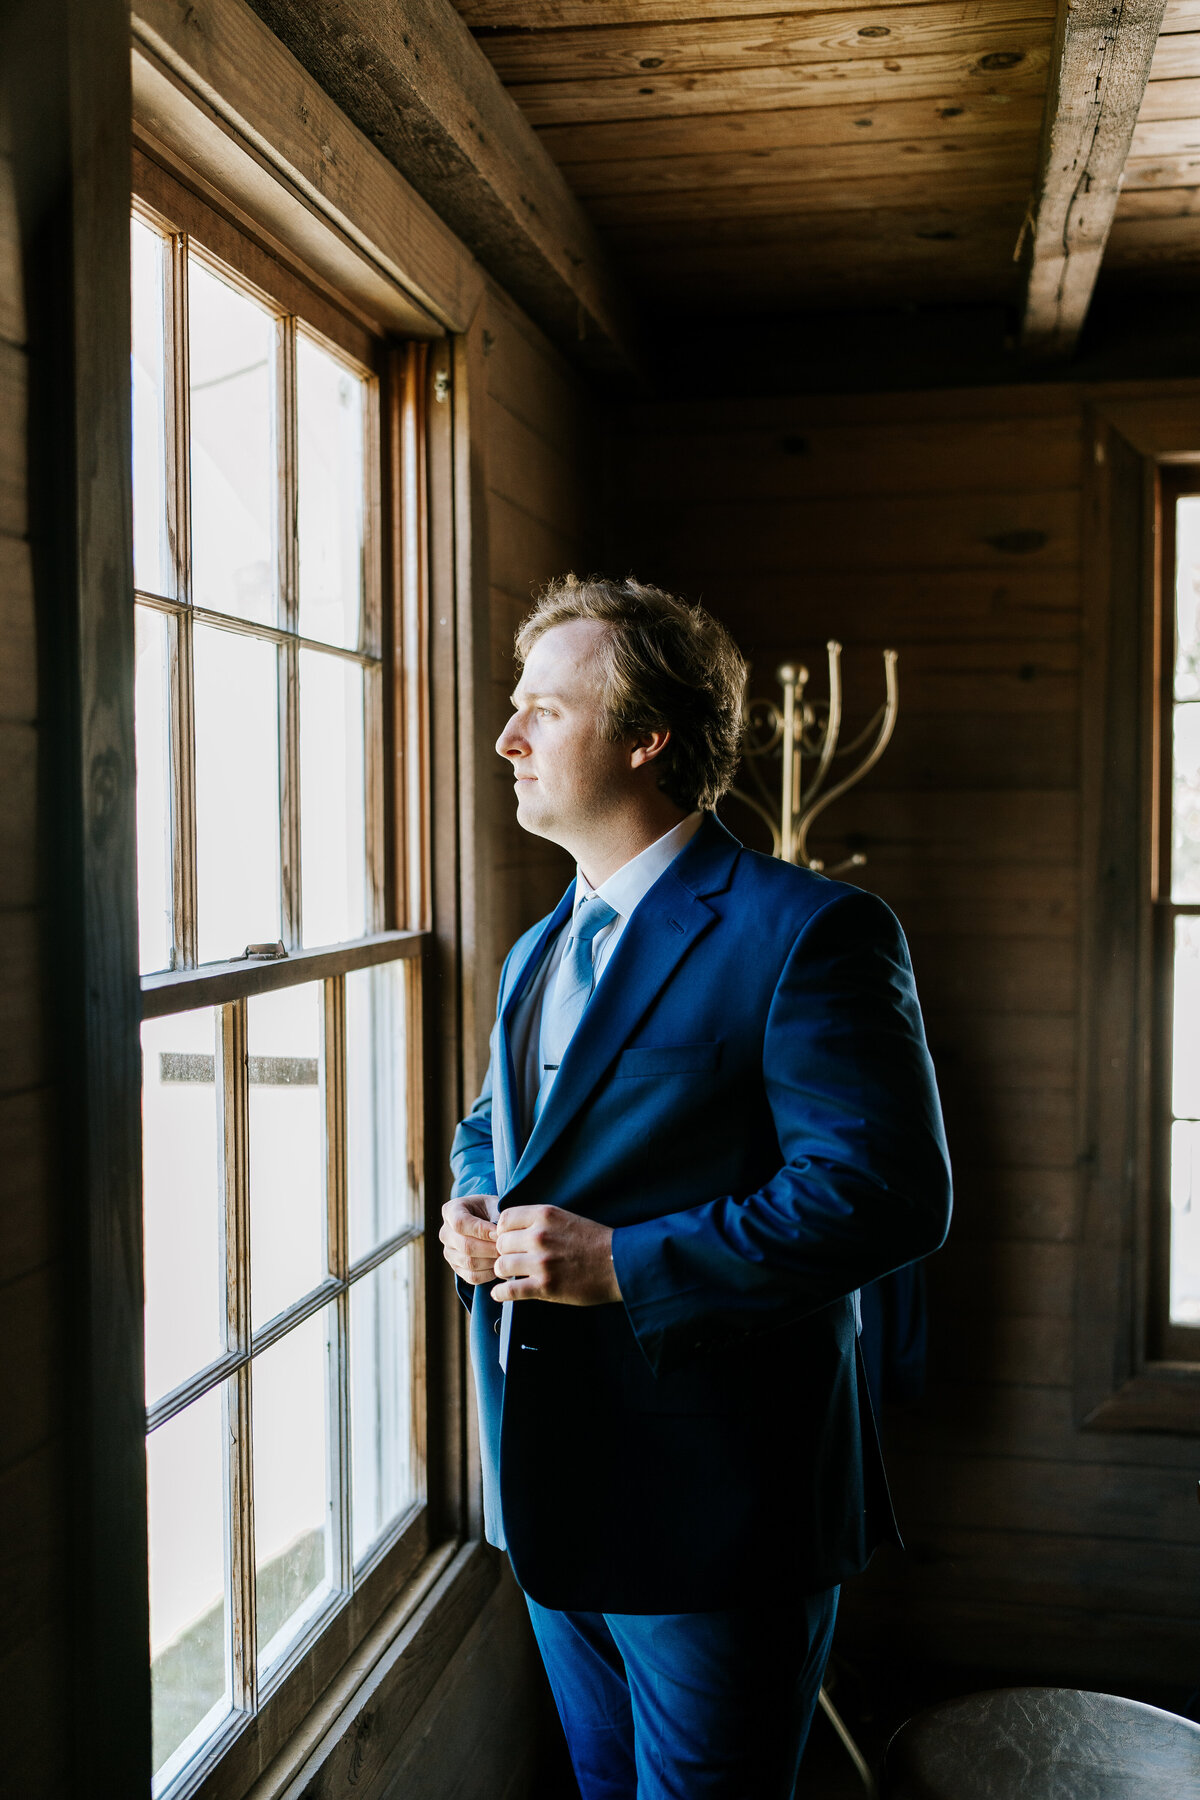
x=468, y=1237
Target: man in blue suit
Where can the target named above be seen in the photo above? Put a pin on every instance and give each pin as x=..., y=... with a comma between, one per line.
x=709, y=1117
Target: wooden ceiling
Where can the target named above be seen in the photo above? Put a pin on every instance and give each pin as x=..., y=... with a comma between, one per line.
x=744, y=156
x=1156, y=231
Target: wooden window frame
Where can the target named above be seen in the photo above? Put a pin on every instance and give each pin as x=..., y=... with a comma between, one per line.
x=397, y=777
x=1129, y=1376
x=1169, y=1343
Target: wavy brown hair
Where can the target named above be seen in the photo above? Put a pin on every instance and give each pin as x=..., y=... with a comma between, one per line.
x=667, y=666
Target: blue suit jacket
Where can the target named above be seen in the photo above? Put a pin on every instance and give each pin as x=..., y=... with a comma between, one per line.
x=749, y=1101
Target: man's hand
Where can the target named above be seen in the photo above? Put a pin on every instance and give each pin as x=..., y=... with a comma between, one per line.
x=468, y=1237
x=547, y=1254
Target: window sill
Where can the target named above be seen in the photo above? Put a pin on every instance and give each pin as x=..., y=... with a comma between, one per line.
x=355, y=1726
x=1165, y=1398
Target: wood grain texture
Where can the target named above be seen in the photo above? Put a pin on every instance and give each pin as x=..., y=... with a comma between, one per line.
x=1170, y=99
x=914, y=257
x=424, y=93
x=13, y=403
x=915, y=532
x=1098, y=76
x=69, y=85
x=1071, y=1647
x=487, y=16
x=12, y=300
x=24, y=1026
x=526, y=375
x=31, y=1411
x=794, y=458
x=20, y=878
x=1054, y=1569
x=808, y=226
x=32, y=1230
x=954, y=116
x=18, y=646
x=910, y=172
x=871, y=607
x=1176, y=57
x=770, y=41
x=1013, y=1493
x=836, y=80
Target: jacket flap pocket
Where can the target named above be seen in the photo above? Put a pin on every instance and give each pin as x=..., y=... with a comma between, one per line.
x=668, y=1059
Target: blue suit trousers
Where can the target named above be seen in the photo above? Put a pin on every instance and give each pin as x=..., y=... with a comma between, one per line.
x=687, y=1706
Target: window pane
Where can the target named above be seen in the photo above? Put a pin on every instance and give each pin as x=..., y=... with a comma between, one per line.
x=189, y=1624
x=1187, y=598
x=333, y=830
x=151, y=553
x=332, y=410
x=1185, y=1223
x=376, y=1106
x=150, y=705
x=1185, y=837
x=232, y=350
x=237, y=792
x=292, y=1483
x=1185, y=1059
x=182, y=1198
x=287, y=1149
x=386, y=1472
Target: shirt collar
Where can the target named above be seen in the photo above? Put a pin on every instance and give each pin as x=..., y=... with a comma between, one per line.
x=633, y=880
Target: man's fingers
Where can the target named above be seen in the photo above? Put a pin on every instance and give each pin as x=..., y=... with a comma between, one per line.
x=515, y=1267
x=515, y=1290
x=457, y=1216
x=468, y=1239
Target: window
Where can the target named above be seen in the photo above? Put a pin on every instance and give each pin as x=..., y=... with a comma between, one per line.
x=283, y=1099
x=1175, y=1086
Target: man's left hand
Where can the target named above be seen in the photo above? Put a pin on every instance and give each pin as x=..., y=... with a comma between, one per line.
x=544, y=1253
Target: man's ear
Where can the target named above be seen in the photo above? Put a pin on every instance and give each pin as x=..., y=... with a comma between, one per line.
x=646, y=746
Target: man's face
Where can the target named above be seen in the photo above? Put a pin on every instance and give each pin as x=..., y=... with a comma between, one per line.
x=568, y=776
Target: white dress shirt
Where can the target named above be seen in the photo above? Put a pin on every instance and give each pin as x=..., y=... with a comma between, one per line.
x=623, y=891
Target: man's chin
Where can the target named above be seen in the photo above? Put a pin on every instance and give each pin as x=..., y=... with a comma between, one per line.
x=533, y=818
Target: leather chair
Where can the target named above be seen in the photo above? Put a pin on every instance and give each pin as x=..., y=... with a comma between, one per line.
x=1043, y=1744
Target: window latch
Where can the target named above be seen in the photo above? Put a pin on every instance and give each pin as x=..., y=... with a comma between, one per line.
x=265, y=952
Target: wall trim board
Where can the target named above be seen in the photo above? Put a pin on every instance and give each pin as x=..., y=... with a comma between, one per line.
x=217, y=91
x=66, y=69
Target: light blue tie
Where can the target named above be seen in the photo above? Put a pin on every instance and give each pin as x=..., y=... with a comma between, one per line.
x=563, y=1006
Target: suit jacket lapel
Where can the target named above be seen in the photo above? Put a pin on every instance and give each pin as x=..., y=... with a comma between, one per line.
x=507, y=1101
x=666, y=924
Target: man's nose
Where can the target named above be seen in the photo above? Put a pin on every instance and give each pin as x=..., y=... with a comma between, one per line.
x=510, y=742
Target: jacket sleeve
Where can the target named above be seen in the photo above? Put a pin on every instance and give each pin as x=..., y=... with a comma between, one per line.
x=471, y=1157
x=864, y=1184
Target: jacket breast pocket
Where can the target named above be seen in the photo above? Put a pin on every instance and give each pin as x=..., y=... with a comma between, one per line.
x=641, y=1060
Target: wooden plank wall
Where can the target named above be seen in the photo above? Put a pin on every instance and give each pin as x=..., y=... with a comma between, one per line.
x=949, y=525
x=543, y=456
x=34, y=1664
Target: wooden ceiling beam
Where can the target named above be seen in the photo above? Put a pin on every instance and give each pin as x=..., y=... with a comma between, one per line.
x=413, y=79
x=1099, y=68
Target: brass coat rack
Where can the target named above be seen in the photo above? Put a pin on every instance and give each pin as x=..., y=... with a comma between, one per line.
x=803, y=730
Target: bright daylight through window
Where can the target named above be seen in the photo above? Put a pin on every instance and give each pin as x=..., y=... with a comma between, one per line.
x=282, y=1186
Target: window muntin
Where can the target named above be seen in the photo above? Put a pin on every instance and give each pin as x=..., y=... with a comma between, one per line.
x=283, y=1209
